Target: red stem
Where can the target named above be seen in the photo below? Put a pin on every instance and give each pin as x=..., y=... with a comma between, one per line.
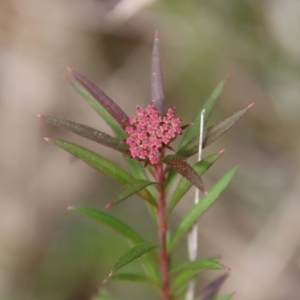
x=163, y=227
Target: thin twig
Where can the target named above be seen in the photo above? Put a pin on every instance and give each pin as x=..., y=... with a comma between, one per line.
x=193, y=235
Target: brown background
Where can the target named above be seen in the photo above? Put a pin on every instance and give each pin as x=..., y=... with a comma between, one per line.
x=48, y=252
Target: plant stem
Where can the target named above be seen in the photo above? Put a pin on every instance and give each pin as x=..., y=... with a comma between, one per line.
x=162, y=228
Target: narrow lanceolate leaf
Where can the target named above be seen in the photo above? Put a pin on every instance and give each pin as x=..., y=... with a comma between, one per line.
x=184, y=169
x=156, y=78
x=181, y=282
x=94, y=160
x=99, y=163
x=199, y=265
x=111, y=222
x=87, y=132
x=131, y=277
x=130, y=189
x=184, y=185
x=202, y=206
x=132, y=254
x=212, y=133
x=212, y=289
x=139, y=172
x=208, y=106
x=193, y=130
x=105, y=106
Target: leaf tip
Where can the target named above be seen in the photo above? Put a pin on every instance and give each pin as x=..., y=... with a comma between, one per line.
x=70, y=207
x=69, y=69
x=156, y=34
x=227, y=268
x=221, y=151
x=104, y=280
x=204, y=191
x=108, y=205
x=228, y=76
x=111, y=273
x=47, y=139
x=39, y=115
x=250, y=105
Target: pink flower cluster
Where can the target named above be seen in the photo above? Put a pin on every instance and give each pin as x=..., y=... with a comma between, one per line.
x=149, y=133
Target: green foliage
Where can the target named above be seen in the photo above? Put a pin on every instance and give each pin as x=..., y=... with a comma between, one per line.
x=152, y=186
x=111, y=222
x=208, y=106
x=212, y=133
x=130, y=189
x=184, y=184
x=198, y=265
x=132, y=277
x=132, y=254
x=200, y=208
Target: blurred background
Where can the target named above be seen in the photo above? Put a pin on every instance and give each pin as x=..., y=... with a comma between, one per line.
x=48, y=252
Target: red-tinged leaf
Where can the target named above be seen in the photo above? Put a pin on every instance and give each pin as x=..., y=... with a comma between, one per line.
x=200, y=208
x=99, y=163
x=132, y=277
x=111, y=222
x=184, y=185
x=184, y=169
x=212, y=133
x=87, y=132
x=132, y=254
x=130, y=189
x=213, y=288
x=95, y=96
x=193, y=130
x=198, y=265
x=111, y=107
x=156, y=78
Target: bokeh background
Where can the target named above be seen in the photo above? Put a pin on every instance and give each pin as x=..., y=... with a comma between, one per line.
x=50, y=253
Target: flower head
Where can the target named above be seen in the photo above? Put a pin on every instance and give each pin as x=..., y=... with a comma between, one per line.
x=149, y=133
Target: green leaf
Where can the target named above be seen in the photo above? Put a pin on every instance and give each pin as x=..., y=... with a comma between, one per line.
x=132, y=254
x=106, y=107
x=94, y=160
x=99, y=163
x=193, y=130
x=139, y=171
x=87, y=132
x=202, y=206
x=185, y=170
x=212, y=133
x=208, y=105
x=157, y=90
x=131, y=277
x=148, y=261
x=198, y=265
x=111, y=222
x=182, y=281
x=184, y=185
x=130, y=189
